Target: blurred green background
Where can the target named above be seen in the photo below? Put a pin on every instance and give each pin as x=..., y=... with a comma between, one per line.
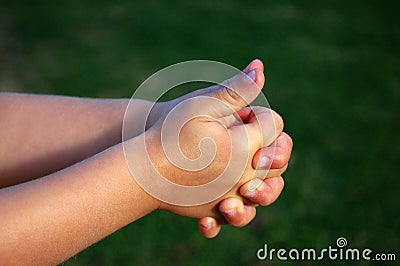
x=333, y=74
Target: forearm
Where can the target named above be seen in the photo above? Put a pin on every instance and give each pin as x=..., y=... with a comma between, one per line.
x=47, y=220
x=41, y=134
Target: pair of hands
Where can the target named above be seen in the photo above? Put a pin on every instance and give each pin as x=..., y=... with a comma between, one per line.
x=213, y=133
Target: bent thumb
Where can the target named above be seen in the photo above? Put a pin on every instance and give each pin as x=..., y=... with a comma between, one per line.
x=237, y=92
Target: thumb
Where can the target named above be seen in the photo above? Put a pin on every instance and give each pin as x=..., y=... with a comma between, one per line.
x=237, y=92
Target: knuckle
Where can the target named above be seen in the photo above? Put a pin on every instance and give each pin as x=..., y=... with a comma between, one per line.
x=268, y=200
x=226, y=96
x=279, y=124
x=229, y=93
x=271, y=193
x=279, y=159
x=290, y=140
x=282, y=183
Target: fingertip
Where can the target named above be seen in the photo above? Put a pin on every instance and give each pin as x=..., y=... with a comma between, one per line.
x=255, y=63
x=279, y=124
x=249, y=189
x=259, y=78
x=271, y=157
x=230, y=204
x=266, y=193
x=236, y=213
x=280, y=158
x=286, y=142
x=232, y=209
x=284, y=145
x=250, y=214
x=263, y=158
x=287, y=139
x=209, y=227
x=256, y=66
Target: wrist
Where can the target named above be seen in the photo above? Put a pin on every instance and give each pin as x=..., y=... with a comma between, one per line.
x=140, y=169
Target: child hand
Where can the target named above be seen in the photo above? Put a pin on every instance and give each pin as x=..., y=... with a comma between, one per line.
x=214, y=116
x=267, y=191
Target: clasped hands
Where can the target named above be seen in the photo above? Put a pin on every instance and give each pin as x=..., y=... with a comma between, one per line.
x=210, y=133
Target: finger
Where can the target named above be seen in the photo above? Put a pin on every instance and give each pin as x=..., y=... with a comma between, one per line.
x=265, y=121
x=260, y=175
x=256, y=63
x=236, y=93
x=274, y=156
x=236, y=213
x=274, y=172
x=209, y=227
x=265, y=193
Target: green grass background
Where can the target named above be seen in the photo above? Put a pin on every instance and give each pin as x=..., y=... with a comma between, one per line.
x=333, y=73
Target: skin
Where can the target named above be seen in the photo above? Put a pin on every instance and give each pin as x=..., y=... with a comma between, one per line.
x=218, y=123
x=91, y=135
x=74, y=198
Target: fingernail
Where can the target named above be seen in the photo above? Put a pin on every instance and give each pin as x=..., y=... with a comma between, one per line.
x=250, y=193
x=253, y=185
x=264, y=162
x=230, y=212
x=208, y=225
x=252, y=75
